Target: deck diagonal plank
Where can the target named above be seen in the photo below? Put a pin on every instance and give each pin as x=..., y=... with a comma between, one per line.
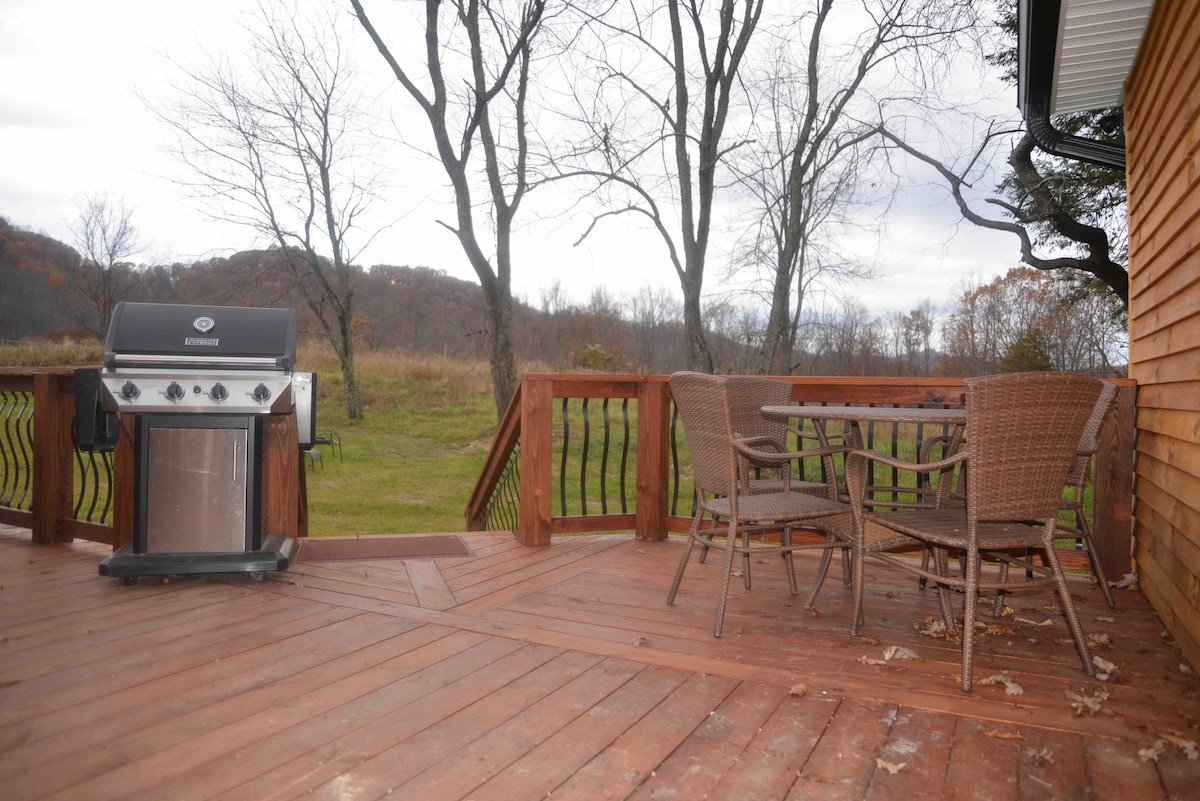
x=463, y=774
x=353, y=735
x=517, y=672
x=120, y=714
x=370, y=692
x=450, y=736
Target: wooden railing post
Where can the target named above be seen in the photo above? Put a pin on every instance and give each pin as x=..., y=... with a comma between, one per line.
x=652, y=437
x=1112, y=493
x=53, y=487
x=537, y=462
x=123, y=480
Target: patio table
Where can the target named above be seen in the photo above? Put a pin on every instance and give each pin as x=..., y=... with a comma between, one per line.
x=955, y=417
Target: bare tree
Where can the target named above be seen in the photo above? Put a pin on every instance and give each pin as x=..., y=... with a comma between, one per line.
x=1074, y=209
x=1046, y=209
x=655, y=125
x=491, y=43
x=278, y=150
x=106, y=239
x=803, y=163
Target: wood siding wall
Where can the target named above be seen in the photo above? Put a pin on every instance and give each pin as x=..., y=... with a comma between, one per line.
x=1163, y=144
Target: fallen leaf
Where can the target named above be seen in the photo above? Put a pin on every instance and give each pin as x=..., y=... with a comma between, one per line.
x=816, y=612
x=1046, y=622
x=1010, y=686
x=1188, y=747
x=1130, y=580
x=1039, y=757
x=899, y=652
x=1153, y=751
x=640, y=641
x=1001, y=735
x=866, y=660
x=1100, y=640
x=1103, y=664
x=891, y=767
x=936, y=628
x=1083, y=703
x=1105, y=619
x=870, y=640
x=798, y=690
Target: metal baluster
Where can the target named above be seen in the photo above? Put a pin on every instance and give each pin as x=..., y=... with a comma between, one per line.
x=604, y=461
x=26, y=444
x=562, y=470
x=583, y=459
x=9, y=477
x=624, y=453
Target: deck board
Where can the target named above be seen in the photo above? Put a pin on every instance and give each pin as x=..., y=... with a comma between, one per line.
x=522, y=673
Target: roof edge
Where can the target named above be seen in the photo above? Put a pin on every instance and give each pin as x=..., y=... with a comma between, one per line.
x=1037, y=46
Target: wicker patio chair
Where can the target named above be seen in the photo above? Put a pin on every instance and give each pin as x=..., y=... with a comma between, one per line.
x=727, y=513
x=1077, y=477
x=1021, y=439
x=748, y=394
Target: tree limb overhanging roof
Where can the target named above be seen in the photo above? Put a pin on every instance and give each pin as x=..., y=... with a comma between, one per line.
x=1074, y=55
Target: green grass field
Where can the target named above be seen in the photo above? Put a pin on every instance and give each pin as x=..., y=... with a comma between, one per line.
x=411, y=461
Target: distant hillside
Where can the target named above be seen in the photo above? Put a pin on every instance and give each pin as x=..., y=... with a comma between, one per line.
x=417, y=309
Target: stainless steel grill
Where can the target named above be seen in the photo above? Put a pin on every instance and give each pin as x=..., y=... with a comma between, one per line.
x=199, y=382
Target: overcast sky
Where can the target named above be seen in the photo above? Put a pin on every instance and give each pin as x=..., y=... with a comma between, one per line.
x=71, y=122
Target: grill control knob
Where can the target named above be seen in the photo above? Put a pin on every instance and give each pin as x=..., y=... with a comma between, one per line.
x=129, y=390
x=261, y=393
x=174, y=391
x=218, y=392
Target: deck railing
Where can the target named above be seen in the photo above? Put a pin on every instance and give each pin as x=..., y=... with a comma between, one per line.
x=593, y=453
x=46, y=485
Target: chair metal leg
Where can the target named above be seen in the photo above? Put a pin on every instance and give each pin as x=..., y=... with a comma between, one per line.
x=1085, y=533
x=683, y=560
x=723, y=589
x=1068, y=608
x=941, y=560
x=746, y=559
x=970, y=595
x=785, y=542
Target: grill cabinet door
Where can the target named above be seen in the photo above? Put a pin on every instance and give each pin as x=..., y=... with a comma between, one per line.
x=196, y=490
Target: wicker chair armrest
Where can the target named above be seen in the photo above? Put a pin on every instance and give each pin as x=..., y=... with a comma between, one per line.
x=857, y=469
x=773, y=444
x=755, y=455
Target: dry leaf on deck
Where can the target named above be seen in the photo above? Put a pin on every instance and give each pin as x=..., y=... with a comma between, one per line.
x=891, y=767
x=640, y=641
x=1081, y=703
x=798, y=690
x=866, y=660
x=1130, y=580
x=1027, y=621
x=1001, y=735
x=1103, y=664
x=1153, y=751
x=899, y=652
x=1010, y=686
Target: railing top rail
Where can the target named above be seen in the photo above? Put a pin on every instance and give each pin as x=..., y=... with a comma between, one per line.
x=32, y=371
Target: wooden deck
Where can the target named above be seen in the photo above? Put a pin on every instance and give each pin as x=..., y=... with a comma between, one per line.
x=525, y=673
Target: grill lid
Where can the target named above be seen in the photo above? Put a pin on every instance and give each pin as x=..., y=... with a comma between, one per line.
x=168, y=335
